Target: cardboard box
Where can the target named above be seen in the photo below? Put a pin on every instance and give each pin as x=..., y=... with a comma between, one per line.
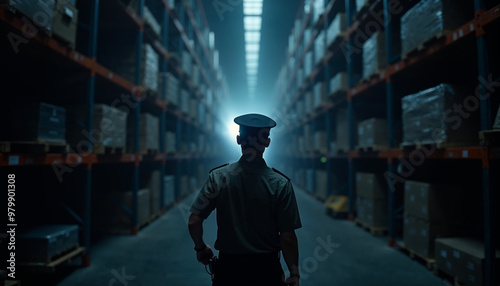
x=109, y=129
x=65, y=21
x=320, y=95
x=149, y=133
x=308, y=64
x=41, y=243
x=374, y=58
x=336, y=29
x=339, y=83
x=369, y=185
x=32, y=8
x=322, y=184
x=36, y=122
x=373, y=132
x=432, y=202
x=463, y=258
x=372, y=211
x=419, y=235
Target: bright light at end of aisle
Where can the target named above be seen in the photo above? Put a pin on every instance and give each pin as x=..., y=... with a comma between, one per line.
x=252, y=21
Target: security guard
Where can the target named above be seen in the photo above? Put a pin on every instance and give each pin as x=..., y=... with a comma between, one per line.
x=257, y=214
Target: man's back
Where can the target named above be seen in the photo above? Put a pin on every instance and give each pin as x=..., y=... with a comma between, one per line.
x=248, y=203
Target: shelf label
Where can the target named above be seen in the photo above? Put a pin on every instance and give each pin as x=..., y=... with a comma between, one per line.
x=471, y=27
x=455, y=36
x=110, y=75
x=465, y=153
x=460, y=33
x=13, y=160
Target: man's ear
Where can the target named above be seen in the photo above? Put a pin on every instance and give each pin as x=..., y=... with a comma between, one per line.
x=238, y=139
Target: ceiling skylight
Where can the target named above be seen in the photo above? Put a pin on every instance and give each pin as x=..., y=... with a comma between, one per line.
x=252, y=10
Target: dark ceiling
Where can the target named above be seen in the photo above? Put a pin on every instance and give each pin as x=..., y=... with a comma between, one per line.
x=277, y=22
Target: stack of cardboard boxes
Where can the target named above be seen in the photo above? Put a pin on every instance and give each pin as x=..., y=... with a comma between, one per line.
x=371, y=199
x=431, y=211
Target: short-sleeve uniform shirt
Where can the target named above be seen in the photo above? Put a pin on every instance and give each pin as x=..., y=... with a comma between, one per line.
x=254, y=204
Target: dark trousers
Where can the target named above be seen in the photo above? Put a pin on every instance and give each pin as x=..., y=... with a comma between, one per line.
x=248, y=270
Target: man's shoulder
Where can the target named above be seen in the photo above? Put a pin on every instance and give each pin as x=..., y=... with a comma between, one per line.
x=219, y=168
x=280, y=174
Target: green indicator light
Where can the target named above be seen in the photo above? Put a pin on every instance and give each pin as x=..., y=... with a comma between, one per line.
x=323, y=159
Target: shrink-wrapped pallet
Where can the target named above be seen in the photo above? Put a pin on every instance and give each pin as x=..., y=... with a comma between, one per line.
x=374, y=59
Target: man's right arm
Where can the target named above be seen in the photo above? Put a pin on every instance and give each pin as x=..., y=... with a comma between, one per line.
x=289, y=246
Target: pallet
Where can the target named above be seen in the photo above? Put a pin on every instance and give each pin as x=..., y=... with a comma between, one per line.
x=39, y=146
x=105, y=150
x=374, y=230
x=490, y=138
x=373, y=148
x=429, y=262
x=51, y=263
x=425, y=44
x=430, y=145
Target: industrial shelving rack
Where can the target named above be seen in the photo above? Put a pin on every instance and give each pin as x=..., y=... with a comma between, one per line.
x=473, y=45
x=182, y=28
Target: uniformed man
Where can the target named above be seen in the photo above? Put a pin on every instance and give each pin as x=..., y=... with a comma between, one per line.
x=257, y=214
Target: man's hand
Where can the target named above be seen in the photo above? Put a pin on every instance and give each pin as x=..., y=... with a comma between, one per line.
x=205, y=255
x=293, y=281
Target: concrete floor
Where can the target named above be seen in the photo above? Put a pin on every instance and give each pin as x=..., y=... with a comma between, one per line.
x=162, y=254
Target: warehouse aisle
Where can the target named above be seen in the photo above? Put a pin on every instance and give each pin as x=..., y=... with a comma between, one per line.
x=332, y=252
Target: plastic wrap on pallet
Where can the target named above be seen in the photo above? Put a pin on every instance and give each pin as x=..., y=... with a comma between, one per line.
x=105, y=115
x=151, y=61
x=427, y=116
x=339, y=83
x=196, y=75
x=319, y=94
x=427, y=19
x=336, y=28
x=310, y=178
x=319, y=47
x=308, y=102
x=300, y=108
x=150, y=20
x=374, y=59
x=193, y=108
x=291, y=65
